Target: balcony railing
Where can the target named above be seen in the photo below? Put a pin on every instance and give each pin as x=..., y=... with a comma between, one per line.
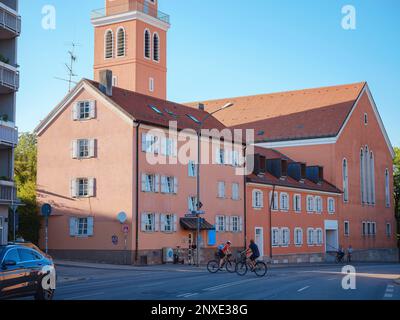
x=9, y=76
x=132, y=5
x=8, y=134
x=9, y=19
x=8, y=192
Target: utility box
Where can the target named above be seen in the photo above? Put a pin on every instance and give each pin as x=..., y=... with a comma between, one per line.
x=168, y=255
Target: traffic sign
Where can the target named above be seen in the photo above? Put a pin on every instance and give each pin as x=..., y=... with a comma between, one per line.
x=122, y=217
x=46, y=210
x=125, y=229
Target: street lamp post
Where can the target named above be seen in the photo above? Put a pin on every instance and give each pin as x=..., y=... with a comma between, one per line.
x=199, y=204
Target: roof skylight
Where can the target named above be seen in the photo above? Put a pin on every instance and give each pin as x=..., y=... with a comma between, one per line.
x=155, y=109
x=193, y=118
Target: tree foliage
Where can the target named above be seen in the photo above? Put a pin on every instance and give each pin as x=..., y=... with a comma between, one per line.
x=25, y=178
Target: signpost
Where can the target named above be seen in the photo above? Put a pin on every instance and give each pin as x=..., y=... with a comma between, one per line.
x=122, y=218
x=46, y=212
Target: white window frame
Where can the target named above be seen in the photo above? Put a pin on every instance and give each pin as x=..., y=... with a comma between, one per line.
x=298, y=231
x=82, y=187
x=275, y=237
x=284, y=206
x=150, y=182
x=149, y=223
x=310, y=201
x=297, y=200
x=168, y=223
x=151, y=84
x=346, y=232
x=235, y=191
x=319, y=237
x=258, y=199
x=220, y=223
x=331, y=210
x=192, y=169
x=275, y=206
x=287, y=237
x=310, y=239
x=221, y=190
x=235, y=224
x=150, y=143
x=169, y=185
x=318, y=204
x=106, y=45
x=192, y=203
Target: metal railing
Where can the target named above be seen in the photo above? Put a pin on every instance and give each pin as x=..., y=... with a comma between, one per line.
x=8, y=194
x=9, y=20
x=8, y=135
x=132, y=5
x=9, y=77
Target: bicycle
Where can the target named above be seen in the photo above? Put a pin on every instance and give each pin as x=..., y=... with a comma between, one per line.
x=243, y=266
x=230, y=266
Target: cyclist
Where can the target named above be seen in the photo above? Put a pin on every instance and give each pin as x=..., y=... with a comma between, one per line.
x=255, y=253
x=223, y=251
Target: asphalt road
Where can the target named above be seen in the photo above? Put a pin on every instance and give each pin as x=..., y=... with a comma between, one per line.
x=373, y=282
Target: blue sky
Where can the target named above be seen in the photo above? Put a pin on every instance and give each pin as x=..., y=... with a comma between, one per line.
x=228, y=48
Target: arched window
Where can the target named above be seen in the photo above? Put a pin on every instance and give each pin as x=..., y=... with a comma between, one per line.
x=156, y=47
x=387, y=188
x=362, y=177
x=367, y=176
x=345, y=180
x=372, y=175
x=121, y=43
x=147, y=44
x=109, y=44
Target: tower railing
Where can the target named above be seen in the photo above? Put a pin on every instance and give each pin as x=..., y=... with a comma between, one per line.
x=133, y=5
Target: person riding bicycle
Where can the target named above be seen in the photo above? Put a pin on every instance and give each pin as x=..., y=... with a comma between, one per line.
x=255, y=253
x=223, y=251
x=340, y=253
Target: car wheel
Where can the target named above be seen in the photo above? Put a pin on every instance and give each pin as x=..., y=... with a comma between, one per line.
x=44, y=295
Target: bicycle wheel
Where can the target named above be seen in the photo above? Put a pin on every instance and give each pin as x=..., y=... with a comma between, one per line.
x=213, y=266
x=241, y=268
x=260, y=269
x=230, y=266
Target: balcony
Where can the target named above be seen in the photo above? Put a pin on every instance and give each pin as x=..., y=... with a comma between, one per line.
x=9, y=78
x=8, y=192
x=131, y=6
x=10, y=22
x=8, y=134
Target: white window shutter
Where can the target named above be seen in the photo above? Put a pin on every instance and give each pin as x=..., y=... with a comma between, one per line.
x=175, y=185
x=174, y=147
x=216, y=223
x=92, y=109
x=175, y=222
x=218, y=155
x=228, y=157
x=143, y=222
x=90, y=226
x=92, y=148
x=254, y=199
x=190, y=204
x=144, y=182
x=164, y=146
x=240, y=224
x=144, y=142
x=72, y=227
x=156, y=222
x=91, y=187
x=74, y=149
x=75, y=111
x=163, y=184
x=162, y=219
x=280, y=237
x=157, y=183
x=74, y=188
x=227, y=224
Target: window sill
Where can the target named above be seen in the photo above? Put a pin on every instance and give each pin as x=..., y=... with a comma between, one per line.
x=284, y=210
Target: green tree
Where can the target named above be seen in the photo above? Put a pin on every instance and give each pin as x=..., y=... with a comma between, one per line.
x=25, y=178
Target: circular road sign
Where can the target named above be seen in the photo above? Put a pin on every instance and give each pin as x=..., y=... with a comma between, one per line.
x=46, y=210
x=122, y=217
x=125, y=229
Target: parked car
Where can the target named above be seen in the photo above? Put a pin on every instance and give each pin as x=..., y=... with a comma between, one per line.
x=26, y=272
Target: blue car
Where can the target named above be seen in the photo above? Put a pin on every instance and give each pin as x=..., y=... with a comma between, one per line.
x=26, y=272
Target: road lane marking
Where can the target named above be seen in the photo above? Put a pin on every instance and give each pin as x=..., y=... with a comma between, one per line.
x=84, y=296
x=226, y=285
x=302, y=289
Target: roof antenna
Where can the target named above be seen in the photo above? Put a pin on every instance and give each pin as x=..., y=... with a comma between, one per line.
x=70, y=67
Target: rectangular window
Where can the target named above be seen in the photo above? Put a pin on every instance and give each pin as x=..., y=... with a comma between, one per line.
x=310, y=236
x=298, y=236
x=318, y=204
x=84, y=110
x=83, y=146
x=310, y=204
x=274, y=201
x=220, y=223
x=284, y=202
x=150, y=143
x=83, y=187
x=373, y=228
x=235, y=191
x=388, y=230
x=168, y=223
x=221, y=189
x=150, y=183
x=364, y=229
x=275, y=237
x=319, y=240
x=235, y=224
x=285, y=237
x=192, y=169
x=258, y=199
x=297, y=202
x=192, y=203
x=235, y=158
x=169, y=185
x=347, y=228
x=149, y=223
x=151, y=84
x=82, y=227
x=331, y=205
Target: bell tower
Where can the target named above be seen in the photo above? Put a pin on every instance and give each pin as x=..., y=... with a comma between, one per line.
x=131, y=41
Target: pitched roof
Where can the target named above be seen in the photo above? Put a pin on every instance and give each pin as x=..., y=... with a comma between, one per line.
x=304, y=113
x=269, y=179
x=139, y=106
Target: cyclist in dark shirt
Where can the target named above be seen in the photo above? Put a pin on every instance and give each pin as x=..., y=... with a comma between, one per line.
x=255, y=253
